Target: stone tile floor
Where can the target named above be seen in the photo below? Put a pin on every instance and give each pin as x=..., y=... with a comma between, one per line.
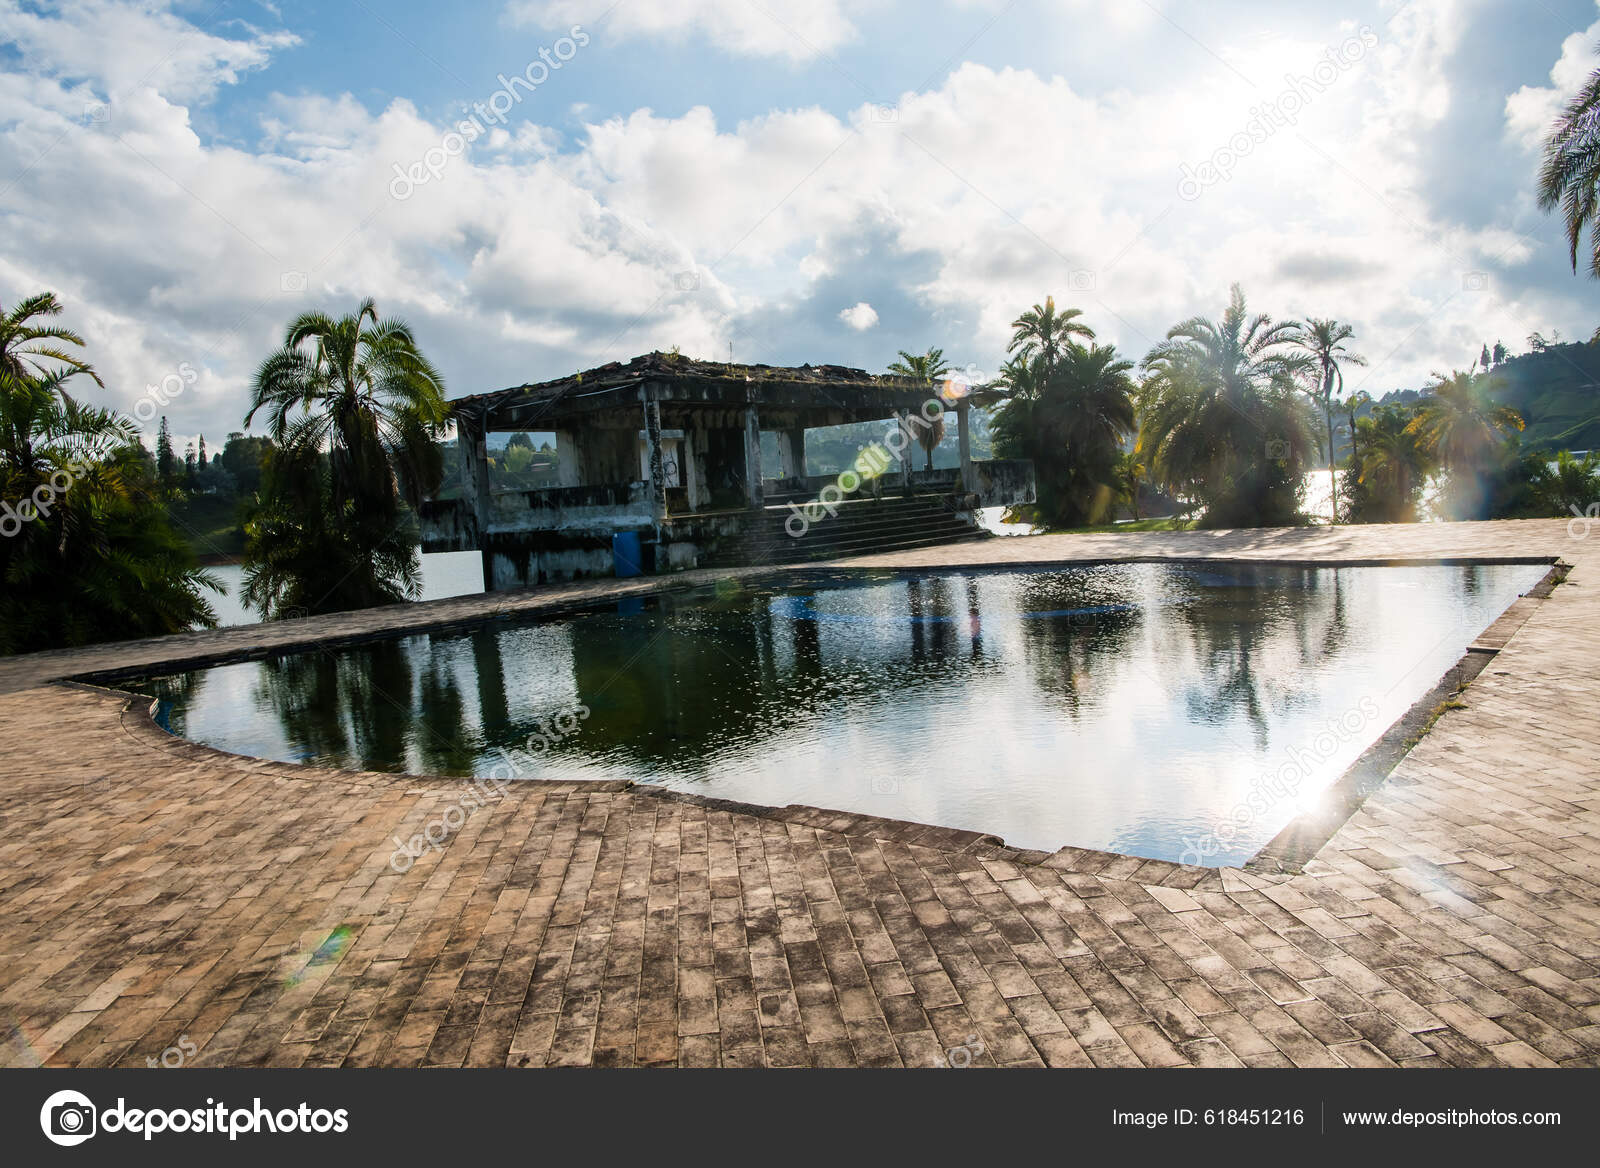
x=153, y=891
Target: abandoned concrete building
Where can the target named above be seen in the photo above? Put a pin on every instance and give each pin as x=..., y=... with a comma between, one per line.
x=660, y=468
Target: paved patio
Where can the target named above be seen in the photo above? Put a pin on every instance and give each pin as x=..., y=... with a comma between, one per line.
x=161, y=898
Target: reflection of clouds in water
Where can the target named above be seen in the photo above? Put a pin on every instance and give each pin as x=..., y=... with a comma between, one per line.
x=1115, y=706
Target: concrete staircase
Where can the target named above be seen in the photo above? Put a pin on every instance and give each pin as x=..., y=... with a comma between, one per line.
x=860, y=526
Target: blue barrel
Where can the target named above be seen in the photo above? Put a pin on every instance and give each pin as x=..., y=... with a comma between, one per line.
x=627, y=555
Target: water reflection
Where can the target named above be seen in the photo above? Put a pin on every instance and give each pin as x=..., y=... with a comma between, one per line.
x=1120, y=706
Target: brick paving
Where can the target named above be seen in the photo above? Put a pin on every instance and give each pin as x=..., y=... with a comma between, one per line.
x=154, y=891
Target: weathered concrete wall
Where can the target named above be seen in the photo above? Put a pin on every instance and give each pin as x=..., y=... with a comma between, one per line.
x=519, y=557
x=1003, y=482
x=565, y=533
x=447, y=526
x=616, y=506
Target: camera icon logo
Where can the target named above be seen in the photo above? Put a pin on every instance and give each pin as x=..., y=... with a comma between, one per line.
x=96, y=112
x=292, y=282
x=686, y=281
x=1475, y=281
x=68, y=1118
x=884, y=115
x=885, y=785
x=1081, y=280
x=1277, y=450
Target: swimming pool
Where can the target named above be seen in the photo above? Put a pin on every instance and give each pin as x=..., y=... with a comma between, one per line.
x=1182, y=711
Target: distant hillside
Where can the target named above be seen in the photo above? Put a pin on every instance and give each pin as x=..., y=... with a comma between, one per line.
x=1557, y=392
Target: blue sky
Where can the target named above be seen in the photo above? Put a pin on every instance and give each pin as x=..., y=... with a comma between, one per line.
x=808, y=182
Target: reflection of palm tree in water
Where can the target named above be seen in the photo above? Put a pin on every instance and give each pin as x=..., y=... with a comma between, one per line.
x=1091, y=619
x=1231, y=631
x=351, y=708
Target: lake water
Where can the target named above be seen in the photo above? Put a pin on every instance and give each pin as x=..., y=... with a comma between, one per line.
x=1175, y=711
x=443, y=574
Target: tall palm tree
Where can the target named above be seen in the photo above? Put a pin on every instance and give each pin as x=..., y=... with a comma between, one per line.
x=26, y=347
x=1570, y=176
x=1042, y=333
x=1071, y=423
x=354, y=405
x=1458, y=425
x=1323, y=341
x=1223, y=423
x=927, y=368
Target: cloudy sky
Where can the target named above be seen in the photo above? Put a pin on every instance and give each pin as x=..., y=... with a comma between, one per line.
x=544, y=185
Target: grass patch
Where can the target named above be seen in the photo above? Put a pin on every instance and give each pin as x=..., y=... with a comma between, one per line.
x=1439, y=711
x=1171, y=523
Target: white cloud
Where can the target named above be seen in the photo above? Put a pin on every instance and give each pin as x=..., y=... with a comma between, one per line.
x=859, y=316
x=763, y=28
x=537, y=254
x=1531, y=109
x=121, y=47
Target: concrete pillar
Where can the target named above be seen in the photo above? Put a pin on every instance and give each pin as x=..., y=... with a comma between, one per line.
x=909, y=451
x=754, y=496
x=792, y=453
x=691, y=472
x=658, y=476
x=964, y=442
x=474, y=457
x=569, y=455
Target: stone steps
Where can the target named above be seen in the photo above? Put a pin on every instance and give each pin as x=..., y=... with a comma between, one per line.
x=858, y=527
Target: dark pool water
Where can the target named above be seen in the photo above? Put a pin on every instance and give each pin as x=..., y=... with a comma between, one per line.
x=1171, y=711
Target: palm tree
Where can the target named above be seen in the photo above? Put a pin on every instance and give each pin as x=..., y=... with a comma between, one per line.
x=926, y=368
x=1323, y=341
x=356, y=411
x=1571, y=486
x=1043, y=332
x=1353, y=403
x=1458, y=426
x=1130, y=474
x=1385, y=482
x=1071, y=423
x=1570, y=176
x=89, y=554
x=1223, y=422
x=25, y=348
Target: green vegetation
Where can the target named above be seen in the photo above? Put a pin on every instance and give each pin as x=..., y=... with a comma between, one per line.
x=86, y=551
x=1570, y=177
x=925, y=368
x=355, y=412
x=1224, y=417
x=1323, y=341
x=1171, y=523
x=1069, y=408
